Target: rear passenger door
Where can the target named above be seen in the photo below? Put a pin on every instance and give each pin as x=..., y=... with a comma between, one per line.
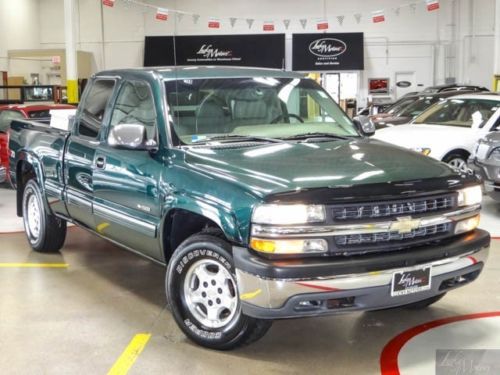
x=81, y=149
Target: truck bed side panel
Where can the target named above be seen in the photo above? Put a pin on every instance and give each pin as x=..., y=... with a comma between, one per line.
x=43, y=148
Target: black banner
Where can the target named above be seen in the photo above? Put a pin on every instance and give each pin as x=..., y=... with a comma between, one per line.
x=338, y=51
x=238, y=50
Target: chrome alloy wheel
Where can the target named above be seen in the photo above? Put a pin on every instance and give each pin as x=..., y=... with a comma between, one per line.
x=33, y=216
x=211, y=294
x=459, y=163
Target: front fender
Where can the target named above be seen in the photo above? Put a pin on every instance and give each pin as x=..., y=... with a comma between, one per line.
x=222, y=216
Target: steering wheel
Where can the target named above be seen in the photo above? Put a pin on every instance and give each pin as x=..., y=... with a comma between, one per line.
x=287, y=115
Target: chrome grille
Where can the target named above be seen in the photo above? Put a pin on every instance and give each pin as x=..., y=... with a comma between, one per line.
x=373, y=238
x=374, y=210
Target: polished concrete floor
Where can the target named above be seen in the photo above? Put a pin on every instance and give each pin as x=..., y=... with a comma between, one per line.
x=79, y=319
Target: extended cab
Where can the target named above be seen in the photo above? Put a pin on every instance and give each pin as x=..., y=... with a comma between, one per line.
x=262, y=198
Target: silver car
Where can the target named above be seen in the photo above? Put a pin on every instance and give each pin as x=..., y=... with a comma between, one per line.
x=485, y=162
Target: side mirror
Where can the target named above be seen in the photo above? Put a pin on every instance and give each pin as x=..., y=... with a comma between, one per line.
x=364, y=125
x=131, y=137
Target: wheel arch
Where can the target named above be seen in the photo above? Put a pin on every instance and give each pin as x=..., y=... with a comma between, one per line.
x=459, y=151
x=28, y=167
x=181, y=222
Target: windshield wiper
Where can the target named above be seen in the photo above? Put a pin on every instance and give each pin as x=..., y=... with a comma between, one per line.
x=315, y=135
x=238, y=137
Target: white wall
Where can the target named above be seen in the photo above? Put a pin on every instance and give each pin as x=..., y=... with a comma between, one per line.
x=456, y=41
x=19, y=25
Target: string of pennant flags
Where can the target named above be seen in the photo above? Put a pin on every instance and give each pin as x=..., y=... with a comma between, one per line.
x=322, y=24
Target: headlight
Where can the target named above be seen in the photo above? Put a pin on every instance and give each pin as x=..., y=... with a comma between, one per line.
x=423, y=150
x=470, y=196
x=467, y=225
x=495, y=154
x=309, y=246
x=288, y=214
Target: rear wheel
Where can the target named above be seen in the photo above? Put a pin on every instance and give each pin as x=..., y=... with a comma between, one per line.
x=203, y=295
x=45, y=232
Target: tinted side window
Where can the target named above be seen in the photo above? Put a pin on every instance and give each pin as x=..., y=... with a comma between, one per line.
x=135, y=105
x=6, y=118
x=94, y=107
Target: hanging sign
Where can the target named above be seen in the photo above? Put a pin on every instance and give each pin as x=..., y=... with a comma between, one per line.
x=161, y=14
x=268, y=26
x=378, y=16
x=322, y=25
x=213, y=23
x=332, y=51
x=109, y=3
x=261, y=50
x=432, y=5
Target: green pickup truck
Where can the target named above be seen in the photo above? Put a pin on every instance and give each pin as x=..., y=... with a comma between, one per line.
x=262, y=198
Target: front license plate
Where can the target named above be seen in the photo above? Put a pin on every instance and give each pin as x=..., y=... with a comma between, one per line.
x=414, y=281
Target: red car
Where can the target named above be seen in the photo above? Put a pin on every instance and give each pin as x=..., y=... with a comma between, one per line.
x=15, y=112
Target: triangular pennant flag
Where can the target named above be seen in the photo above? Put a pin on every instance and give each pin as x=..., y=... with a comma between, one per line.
x=357, y=17
x=196, y=18
x=413, y=7
x=249, y=22
x=340, y=19
x=286, y=23
x=303, y=22
x=397, y=11
x=322, y=24
x=213, y=23
x=161, y=14
x=378, y=16
x=108, y=3
x=180, y=16
x=232, y=21
x=268, y=26
x=432, y=5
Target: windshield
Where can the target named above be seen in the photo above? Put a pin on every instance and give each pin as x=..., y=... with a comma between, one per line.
x=232, y=108
x=399, y=105
x=460, y=112
x=418, y=107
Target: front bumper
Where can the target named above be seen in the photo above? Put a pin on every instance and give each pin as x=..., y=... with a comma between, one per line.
x=288, y=289
x=3, y=175
x=489, y=174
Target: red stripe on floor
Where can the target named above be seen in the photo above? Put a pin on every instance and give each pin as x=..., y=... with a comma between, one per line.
x=389, y=356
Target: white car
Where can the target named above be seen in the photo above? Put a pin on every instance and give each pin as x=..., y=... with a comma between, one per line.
x=448, y=130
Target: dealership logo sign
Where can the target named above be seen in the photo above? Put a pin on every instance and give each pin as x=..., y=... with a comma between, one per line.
x=209, y=52
x=327, y=47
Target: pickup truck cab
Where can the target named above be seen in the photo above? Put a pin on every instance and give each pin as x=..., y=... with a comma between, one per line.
x=262, y=198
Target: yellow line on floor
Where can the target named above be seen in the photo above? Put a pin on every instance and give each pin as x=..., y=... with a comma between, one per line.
x=33, y=265
x=130, y=354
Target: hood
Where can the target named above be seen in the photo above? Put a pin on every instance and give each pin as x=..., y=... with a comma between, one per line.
x=285, y=167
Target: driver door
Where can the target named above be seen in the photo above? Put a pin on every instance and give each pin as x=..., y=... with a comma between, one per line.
x=126, y=195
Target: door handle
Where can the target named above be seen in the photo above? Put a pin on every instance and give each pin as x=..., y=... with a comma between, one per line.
x=100, y=162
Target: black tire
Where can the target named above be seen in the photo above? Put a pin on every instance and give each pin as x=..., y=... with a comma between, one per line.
x=424, y=303
x=204, y=250
x=457, y=160
x=46, y=233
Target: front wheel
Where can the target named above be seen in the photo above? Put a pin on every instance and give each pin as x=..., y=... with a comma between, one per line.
x=457, y=161
x=45, y=232
x=203, y=295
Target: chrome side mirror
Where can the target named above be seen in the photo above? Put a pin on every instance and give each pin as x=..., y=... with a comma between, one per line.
x=364, y=125
x=131, y=137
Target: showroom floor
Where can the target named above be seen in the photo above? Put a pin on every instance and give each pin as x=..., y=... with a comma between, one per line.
x=78, y=314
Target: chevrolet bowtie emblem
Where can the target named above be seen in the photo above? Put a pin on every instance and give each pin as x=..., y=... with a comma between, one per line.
x=405, y=224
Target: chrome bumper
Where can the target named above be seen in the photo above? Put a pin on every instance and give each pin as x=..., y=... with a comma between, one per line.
x=261, y=296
